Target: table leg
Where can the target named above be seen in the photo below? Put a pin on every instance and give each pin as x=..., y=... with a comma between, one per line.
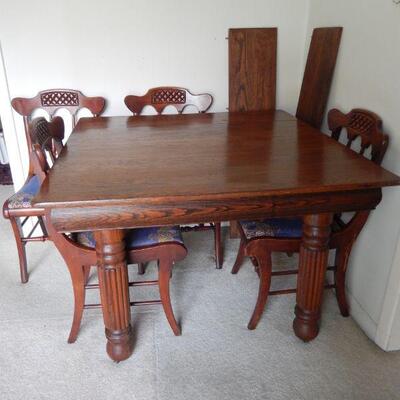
x=314, y=252
x=114, y=293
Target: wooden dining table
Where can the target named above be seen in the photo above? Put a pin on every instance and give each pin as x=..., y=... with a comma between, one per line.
x=125, y=172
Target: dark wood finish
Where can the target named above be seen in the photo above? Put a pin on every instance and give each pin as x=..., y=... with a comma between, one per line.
x=264, y=266
x=317, y=165
x=203, y=170
x=167, y=254
x=363, y=124
x=113, y=281
x=252, y=69
x=52, y=100
x=252, y=75
x=49, y=100
x=48, y=136
x=159, y=98
x=318, y=75
x=314, y=250
x=359, y=123
x=80, y=259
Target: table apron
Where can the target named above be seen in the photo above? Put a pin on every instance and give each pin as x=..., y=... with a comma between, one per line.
x=122, y=216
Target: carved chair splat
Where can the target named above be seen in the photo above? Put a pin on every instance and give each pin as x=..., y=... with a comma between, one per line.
x=51, y=100
x=161, y=97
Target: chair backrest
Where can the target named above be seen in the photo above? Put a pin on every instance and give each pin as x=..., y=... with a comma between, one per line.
x=48, y=135
x=38, y=161
x=46, y=139
x=318, y=75
x=161, y=97
x=52, y=100
x=360, y=123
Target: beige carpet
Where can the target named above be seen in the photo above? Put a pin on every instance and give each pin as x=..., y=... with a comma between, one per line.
x=215, y=358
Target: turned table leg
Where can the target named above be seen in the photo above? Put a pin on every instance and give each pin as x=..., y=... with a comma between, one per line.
x=114, y=293
x=314, y=252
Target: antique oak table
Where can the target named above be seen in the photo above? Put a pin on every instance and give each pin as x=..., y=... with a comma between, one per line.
x=126, y=172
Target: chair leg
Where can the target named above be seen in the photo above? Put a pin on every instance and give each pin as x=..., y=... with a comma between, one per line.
x=141, y=268
x=219, y=256
x=42, y=226
x=17, y=229
x=254, y=262
x=239, y=258
x=264, y=270
x=341, y=261
x=164, y=273
x=78, y=277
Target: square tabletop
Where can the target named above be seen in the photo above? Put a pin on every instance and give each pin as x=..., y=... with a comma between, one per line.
x=122, y=159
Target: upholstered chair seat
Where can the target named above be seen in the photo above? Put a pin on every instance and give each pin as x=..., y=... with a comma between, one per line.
x=23, y=198
x=140, y=237
x=273, y=227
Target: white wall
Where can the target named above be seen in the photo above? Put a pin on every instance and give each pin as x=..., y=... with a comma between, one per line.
x=368, y=75
x=126, y=46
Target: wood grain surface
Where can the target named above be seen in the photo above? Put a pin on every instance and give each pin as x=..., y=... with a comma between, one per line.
x=201, y=157
x=252, y=69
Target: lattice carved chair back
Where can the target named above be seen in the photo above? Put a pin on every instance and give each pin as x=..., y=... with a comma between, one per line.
x=49, y=136
x=367, y=126
x=52, y=100
x=161, y=97
x=362, y=124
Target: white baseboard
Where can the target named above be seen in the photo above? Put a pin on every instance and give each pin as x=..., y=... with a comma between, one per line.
x=363, y=319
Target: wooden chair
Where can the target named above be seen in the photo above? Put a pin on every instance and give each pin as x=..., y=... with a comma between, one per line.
x=49, y=100
x=260, y=238
x=52, y=100
x=159, y=98
x=163, y=244
x=18, y=208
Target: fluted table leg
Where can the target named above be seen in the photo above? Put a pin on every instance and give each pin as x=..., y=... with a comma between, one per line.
x=310, y=282
x=114, y=293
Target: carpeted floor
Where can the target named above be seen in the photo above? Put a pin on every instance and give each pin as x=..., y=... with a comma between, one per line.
x=215, y=358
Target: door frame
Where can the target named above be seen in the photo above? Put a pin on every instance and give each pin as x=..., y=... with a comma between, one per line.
x=9, y=128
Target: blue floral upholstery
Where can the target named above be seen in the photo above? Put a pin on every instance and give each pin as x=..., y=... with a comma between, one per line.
x=140, y=237
x=23, y=198
x=273, y=227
